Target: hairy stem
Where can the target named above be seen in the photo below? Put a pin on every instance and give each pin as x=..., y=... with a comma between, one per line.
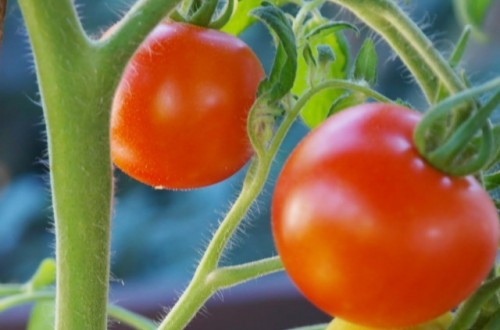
x=407, y=40
x=131, y=30
x=232, y=275
x=76, y=100
x=208, y=278
x=77, y=78
x=199, y=289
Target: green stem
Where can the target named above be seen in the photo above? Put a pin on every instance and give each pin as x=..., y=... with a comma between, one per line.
x=132, y=319
x=10, y=289
x=443, y=108
x=23, y=298
x=464, y=133
x=77, y=78
x=407, y=40
x=469, y=310
x=131, y=30
x=203, y=15
x=198, y=291
x=444, y=156
x=76, y=100
x=232, y=275
x=18, y=298
x=202, y=286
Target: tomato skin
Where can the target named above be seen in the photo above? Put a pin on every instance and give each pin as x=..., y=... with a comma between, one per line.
x=370, y=232
x=179, y=114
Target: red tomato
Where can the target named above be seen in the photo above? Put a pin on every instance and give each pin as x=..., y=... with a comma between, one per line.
x=370, y=232
x=179, y=114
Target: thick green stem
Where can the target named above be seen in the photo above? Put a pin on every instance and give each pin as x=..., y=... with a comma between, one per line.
x=407, y=40
x=76, y=101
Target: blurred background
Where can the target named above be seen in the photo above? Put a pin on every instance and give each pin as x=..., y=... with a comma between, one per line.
x=159, y=235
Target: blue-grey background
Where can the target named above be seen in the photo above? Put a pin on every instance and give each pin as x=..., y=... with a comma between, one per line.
x=159, y=235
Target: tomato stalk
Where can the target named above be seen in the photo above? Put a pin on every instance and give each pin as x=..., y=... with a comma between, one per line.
x=426, y=64
x=77, y=119
x=117, y=47
x=77, y=78
x=205, y=282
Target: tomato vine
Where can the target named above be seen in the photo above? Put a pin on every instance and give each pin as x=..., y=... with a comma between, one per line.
x=78, y=76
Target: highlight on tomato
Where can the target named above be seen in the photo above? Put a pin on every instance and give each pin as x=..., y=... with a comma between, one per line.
x=370, y=232
x=179, y=114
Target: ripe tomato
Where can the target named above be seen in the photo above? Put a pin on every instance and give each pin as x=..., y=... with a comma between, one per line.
x=441, y=323
x=370, y=232
x=179, y=114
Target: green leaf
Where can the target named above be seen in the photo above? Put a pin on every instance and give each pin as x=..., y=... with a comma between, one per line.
x=330, y=27
x=365, y=65
x=45, y=274
x=308, y=55
x=242, y=19
x=42, y=316
x=493, y=322
x=454, y=60
x=460, y=47
x=473, y=12
x=282, y=76
x=317, y=108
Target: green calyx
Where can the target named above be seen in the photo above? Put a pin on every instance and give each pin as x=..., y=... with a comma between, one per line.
x=205, y=13
x=456, y=144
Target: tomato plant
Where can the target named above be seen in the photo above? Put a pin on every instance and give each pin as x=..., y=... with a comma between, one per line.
x=373, y=234
x=365, y=226
x=179, y=114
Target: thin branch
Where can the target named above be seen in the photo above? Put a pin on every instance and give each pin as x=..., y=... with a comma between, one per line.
x=232, y=275
x=131, y=30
